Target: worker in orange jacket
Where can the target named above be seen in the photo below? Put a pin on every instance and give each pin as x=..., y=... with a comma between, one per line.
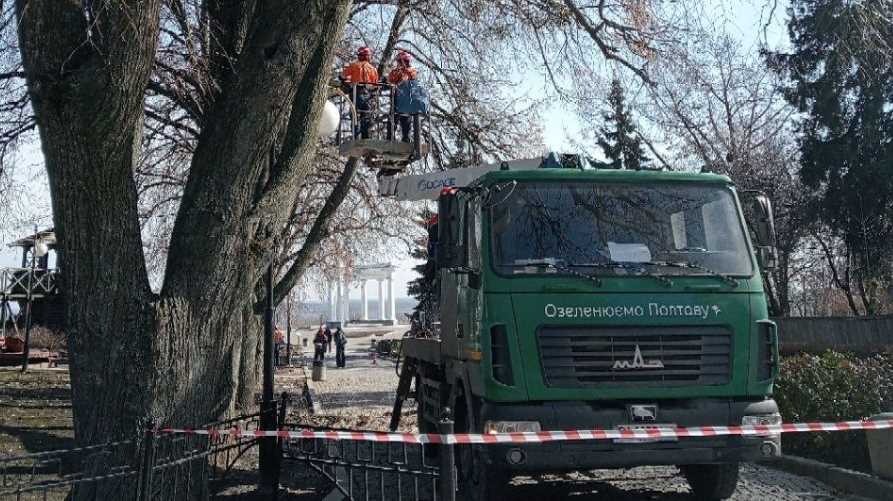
x=402, y=72
x=364, y=76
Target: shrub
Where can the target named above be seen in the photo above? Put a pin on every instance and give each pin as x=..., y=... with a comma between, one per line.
x=46, y=339
x=833, y=387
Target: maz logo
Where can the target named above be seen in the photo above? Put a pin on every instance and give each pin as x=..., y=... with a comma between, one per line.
x=638, y=362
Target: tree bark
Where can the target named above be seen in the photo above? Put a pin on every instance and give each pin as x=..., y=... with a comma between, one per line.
x=178, y=357
x=87, y=97
x=316, y=234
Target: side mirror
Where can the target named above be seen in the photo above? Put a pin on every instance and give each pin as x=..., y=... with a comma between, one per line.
x=764, y=222
x=450, y=246
x=764, y=231
x=767, y=257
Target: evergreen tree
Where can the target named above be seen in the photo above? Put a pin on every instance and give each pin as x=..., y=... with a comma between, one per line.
x=423, y=288
x=841, y=73
x=619, y=140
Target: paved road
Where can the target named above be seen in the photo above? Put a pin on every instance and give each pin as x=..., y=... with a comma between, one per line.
x=361, y=396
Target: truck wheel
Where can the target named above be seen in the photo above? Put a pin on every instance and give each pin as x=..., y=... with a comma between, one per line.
x=477, y=480
x=423, y=425
x=711, y=482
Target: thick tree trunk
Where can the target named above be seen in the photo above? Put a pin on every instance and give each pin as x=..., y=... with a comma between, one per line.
x=87, y=98
x=181, y=358
x=246, y=170
x=251, y=360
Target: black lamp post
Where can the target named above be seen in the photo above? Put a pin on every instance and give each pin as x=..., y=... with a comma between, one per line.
x=269, y=455
x=288, y=329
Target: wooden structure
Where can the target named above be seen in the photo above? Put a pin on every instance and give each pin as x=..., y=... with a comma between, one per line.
x=39, y=283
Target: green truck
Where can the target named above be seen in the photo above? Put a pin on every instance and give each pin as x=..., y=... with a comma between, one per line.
x=579, y=299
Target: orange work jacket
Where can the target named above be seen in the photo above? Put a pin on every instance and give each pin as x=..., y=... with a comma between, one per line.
x=360, y=72
x=401, y=74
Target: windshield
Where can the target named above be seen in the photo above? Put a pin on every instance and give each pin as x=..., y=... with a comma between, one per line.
x=680, y=229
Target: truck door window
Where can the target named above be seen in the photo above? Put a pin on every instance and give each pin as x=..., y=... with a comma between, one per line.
x=473, y=234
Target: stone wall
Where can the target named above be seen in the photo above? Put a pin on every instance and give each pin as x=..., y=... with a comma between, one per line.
x=853, y=334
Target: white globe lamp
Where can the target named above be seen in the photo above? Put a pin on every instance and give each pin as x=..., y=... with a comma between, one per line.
x=40, y=248
x=328, y=122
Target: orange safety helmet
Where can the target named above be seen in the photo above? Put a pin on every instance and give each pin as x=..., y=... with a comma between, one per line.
x=364, y=53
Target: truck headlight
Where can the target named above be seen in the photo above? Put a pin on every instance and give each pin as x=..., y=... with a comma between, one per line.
x=762, y=420
x=511, y=426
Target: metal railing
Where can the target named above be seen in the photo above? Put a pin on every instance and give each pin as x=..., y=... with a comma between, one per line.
x=382, y=121
x=159, y=466
x=162, y=465
x=102, y=469
x=373, y=470
x=14, y=282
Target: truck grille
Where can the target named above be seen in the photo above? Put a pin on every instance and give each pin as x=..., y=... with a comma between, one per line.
x=581, y=357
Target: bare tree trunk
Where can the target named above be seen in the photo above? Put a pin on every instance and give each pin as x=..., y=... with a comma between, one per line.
x=843, y=285
x=783, y=283
x=171, y=357
x=251, y=360
x=87, y=98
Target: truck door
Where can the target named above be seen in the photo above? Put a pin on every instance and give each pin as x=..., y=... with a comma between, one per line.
x=452, y=327
x=459, y=291
x=450, y=260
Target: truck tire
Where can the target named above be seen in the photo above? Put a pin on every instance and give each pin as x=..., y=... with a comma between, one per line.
x=477, y=480
x=423, y=425
x=711, y=482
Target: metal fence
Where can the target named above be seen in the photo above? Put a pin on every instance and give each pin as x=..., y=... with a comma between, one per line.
x=103, y=469
x=371, y=470
x=159, y=466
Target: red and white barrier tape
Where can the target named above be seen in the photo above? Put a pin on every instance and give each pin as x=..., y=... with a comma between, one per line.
x=545, y=436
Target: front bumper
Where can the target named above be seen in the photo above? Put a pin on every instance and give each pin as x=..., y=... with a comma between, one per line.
x=576, y=455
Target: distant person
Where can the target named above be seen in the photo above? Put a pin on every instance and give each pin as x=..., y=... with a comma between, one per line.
x=328, y=333
x=278, y=344
x=340, y=344
x=403, y=72
x=364, y=76
x=319, y=347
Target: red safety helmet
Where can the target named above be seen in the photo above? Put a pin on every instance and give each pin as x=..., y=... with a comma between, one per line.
x=404, y=57
x=364, y=53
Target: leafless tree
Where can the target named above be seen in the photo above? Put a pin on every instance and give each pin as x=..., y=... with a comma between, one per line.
x=87, y=72
x=712, y=105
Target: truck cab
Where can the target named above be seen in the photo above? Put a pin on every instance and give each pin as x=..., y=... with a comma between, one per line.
x=601, y=299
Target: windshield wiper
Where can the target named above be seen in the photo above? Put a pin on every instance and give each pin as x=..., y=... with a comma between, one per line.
x=722, y=276
x=627, y=266
x=557, y=265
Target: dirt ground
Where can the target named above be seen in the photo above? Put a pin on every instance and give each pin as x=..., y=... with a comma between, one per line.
x=35, y=411
x=35, y=416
